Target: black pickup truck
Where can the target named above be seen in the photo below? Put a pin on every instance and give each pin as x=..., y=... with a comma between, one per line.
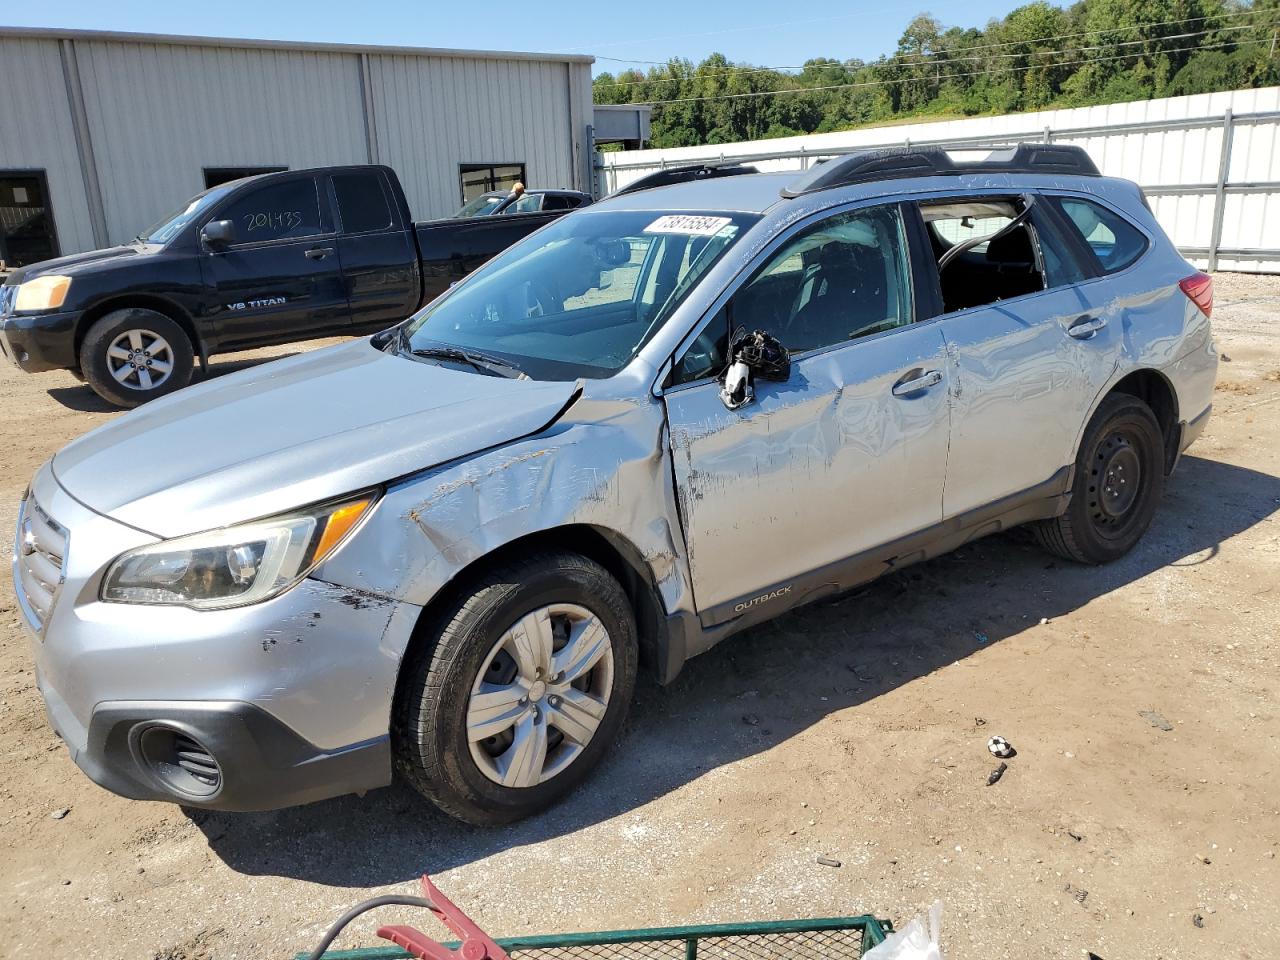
x=264, y=260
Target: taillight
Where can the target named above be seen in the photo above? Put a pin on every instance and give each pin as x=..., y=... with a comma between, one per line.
x=1199, y=289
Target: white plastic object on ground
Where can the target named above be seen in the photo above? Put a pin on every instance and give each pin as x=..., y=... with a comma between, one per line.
x=912, y=942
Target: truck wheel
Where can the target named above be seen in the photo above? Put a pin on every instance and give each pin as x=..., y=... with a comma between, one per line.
x=134, y=355
x=1119, y=479
x=523, y=692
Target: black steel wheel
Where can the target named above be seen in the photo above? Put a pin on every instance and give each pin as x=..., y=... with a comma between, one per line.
x=1119, y=479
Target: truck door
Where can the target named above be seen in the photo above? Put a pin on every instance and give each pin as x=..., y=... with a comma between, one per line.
x=279, y=279
x=376, y=250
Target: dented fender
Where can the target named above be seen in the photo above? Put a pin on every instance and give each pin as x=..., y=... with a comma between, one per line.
x=604, y=464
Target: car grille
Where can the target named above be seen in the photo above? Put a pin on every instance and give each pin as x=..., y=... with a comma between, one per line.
x=38, y=553
x=8, y=294
x=197, y=761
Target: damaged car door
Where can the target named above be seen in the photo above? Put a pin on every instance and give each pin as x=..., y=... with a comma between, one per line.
x=1031, y=345
x=794, y=489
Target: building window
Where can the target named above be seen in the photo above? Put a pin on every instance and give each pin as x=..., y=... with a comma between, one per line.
x=216, y=176
x=27, y=233
x=478, y=178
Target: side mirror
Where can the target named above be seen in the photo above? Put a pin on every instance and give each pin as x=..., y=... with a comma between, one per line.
x=218, y=233
x=613, y=253
x=752, y=355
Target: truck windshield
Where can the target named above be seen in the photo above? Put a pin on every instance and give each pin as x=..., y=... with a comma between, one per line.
x=172, y=225
x=580, y=297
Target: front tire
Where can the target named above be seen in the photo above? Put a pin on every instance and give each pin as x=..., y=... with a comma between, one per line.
x=1119, y=479
x=523, y=692
x=134, y=355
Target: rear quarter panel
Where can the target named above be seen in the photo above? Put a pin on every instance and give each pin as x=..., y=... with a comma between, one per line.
x=1161, y=328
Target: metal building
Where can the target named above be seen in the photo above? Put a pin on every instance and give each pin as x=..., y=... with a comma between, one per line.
x=102, y=134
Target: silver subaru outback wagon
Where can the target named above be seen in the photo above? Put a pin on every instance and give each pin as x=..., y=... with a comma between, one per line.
x=447, y=550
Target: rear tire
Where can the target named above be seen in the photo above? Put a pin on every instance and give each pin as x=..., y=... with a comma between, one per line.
x=1119, y=479
x=528, y=740
x=134, y=355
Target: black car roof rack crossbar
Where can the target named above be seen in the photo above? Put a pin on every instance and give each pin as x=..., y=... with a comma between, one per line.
x=865, y=166
x=685, y=174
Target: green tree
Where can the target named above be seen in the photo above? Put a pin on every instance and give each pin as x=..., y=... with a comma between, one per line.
x=1037, y=56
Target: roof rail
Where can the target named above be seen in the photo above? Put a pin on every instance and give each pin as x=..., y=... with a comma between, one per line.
x=685, y=174
x=863, y=166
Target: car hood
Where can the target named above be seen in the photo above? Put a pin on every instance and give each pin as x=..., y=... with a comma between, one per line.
x=79, y=262
x=293, y=432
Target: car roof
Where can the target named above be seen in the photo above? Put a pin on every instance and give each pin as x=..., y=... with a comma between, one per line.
x=749, y=193
x=871, y=172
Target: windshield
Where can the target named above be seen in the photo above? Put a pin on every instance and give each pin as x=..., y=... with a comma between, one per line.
x=480, y=206
x=172, y=225
x=580, y=297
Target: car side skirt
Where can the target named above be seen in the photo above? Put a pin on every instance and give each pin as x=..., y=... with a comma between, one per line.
x=1044, y=500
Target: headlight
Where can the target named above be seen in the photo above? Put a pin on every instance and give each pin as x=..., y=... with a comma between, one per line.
x=43, y=293
x=237, y=565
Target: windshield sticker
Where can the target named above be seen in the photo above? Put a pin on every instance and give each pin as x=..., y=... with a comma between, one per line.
x=692, y=226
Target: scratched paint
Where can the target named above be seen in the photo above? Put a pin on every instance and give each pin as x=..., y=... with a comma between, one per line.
x=605, y=465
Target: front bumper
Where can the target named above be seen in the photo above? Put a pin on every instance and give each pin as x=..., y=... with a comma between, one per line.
x=261, y=764
x=291, y=698
x=41, y=341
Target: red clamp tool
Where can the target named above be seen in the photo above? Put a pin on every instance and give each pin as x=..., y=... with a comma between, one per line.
x=474, y=943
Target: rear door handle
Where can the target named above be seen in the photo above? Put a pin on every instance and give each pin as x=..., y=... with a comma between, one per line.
x=916, y=380
x=318, y=253
x=1083, y=328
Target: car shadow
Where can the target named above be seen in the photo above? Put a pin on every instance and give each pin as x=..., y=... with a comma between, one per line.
x=82, y=399
x=758, y=689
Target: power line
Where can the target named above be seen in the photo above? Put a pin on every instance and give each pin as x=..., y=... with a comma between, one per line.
x=946, y=55
x=948, y=58
x=945, y=76
x=744, y=29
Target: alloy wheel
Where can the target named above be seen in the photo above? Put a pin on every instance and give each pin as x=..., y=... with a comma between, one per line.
x=140, y=359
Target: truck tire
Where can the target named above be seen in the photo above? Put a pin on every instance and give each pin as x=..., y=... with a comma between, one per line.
x=1118, y=482
x=133, y=355
x=523, y=692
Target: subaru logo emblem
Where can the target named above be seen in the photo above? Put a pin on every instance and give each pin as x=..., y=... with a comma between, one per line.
x=28, y=540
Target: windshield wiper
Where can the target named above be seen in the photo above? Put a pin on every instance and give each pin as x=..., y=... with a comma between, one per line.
x=479, y=361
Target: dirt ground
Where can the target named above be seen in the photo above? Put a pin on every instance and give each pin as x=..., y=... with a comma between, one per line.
x=854, y=730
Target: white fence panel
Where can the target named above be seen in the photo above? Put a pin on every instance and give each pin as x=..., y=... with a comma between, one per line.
x=1223, y=216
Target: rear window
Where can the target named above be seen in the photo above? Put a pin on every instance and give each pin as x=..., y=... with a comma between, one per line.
x=362, y=204
x=1114, y=241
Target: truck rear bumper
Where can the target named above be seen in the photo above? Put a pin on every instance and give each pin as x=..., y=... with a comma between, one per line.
x=39, y=342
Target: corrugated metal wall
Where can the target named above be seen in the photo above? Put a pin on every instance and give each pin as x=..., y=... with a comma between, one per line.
x=159, y=114
x=37, y=132
x=1185, y=157
x=157, y=111
x=434, y=113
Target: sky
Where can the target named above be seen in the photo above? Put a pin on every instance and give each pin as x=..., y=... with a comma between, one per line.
x=764, y=33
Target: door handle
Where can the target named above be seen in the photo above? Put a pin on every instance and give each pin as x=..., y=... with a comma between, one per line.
x=1085, y=327
x=916, y=380
x=318, y=253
